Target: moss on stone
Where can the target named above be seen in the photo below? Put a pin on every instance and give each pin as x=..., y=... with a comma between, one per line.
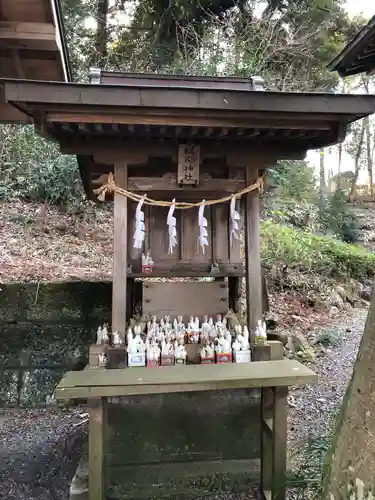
x=46, y=329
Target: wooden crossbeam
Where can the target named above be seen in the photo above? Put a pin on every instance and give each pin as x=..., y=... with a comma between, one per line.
x=28, y=35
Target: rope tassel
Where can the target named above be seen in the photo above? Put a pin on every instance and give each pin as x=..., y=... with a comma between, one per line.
x=202, y=223
x=139, y=233
x=172, y=231
x=234, y=217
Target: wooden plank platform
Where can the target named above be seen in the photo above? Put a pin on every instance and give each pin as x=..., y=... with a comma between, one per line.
x=99, y=382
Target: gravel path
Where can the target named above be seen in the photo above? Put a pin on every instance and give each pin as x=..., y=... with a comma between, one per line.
x=40, y=448
x=314, y=405
x=39, y=452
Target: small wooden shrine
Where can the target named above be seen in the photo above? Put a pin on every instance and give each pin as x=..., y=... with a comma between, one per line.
x=183, y=159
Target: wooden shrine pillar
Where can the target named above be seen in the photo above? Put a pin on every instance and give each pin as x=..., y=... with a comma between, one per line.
x=120, y=251
x=252, y=252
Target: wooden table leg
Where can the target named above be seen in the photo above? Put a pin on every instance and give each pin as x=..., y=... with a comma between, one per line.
x=97, y=451
x=273, y=442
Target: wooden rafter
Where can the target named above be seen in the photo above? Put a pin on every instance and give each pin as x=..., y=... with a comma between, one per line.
x=28, y=35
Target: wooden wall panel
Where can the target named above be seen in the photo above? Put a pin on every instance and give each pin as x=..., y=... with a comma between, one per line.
x=220, y=232
x=158, y=236
x=187, y=250
x=190, y=251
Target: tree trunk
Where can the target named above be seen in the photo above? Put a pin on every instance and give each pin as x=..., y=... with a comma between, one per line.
x=352, y=453
x=101, y=34
x=339, y=166
x=368, y=155
x=322, y=183
x=357, y=164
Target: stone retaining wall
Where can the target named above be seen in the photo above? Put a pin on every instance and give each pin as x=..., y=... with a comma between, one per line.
x=45, y=330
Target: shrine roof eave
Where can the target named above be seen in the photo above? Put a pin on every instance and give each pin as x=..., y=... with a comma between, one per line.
x=358, y=56
x=36, y=97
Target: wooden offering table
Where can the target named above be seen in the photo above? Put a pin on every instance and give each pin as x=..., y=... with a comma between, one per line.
x=272, y=377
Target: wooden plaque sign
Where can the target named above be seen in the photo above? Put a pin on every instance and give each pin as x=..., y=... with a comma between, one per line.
x=188, y=164
x=185, y=298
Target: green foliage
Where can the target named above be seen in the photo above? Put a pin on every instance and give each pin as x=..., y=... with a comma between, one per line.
x=289, y=212
x=308, y=253
x=33, y=169
x=294, y=179
x=329, y=338
x=339, y=218
x=288, y=42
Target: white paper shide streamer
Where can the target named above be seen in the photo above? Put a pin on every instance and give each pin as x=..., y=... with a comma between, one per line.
x=234, y=217
x=139, y=233
x=172, y=231
x=202, y=223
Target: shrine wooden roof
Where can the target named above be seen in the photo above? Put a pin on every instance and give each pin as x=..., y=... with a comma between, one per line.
x=159, y=109
x=223, y=111
x=359, y=54
x=32, y=46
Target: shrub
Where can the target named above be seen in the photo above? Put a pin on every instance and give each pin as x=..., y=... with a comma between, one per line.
x=338, y=217
x=33, y=169
x=294, y=179
x=323, y=255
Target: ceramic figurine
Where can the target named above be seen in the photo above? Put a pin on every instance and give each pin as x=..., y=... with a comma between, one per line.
x=167, y=353
x=140, y=345
x=241, y=347
x=191, y=330
x=232, y=320
x=212, y=334
x=207, y=354
x=167, y=348
x=180, y=352
x=180, y=330
x=136, y=349
x=205, y=329
x=102, y=359
x=105, y=334
x=245, y=342
x=260, y=334
x=116, y=339
x=99, y=336
x=211, y=322
x=222, y=345
x=153, y=354
x=236, y=346
x=129, y=336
